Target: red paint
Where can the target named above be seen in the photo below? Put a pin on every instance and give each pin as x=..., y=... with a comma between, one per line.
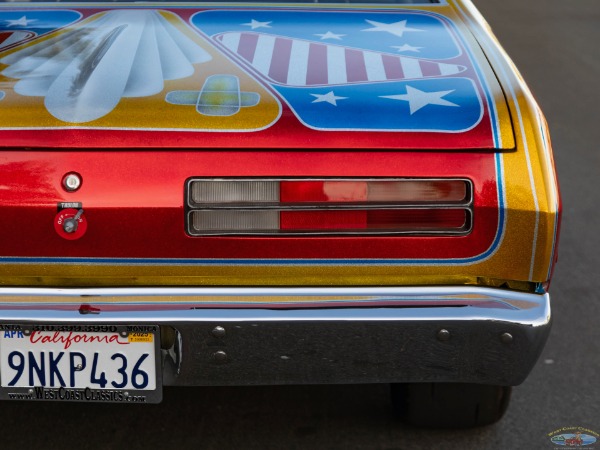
x=134, y=202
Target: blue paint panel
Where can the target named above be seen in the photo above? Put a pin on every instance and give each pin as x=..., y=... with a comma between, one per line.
x=434, y=39
x=367, y=106
x=356, y=78
x=38, y=21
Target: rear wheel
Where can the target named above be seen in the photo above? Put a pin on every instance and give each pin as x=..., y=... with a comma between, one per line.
x=449, y=405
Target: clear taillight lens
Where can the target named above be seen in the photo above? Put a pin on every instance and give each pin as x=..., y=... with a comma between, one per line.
x=357, y=206
x=221, y=192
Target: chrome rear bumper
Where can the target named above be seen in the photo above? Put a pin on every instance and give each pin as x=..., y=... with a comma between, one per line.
x=244, y=336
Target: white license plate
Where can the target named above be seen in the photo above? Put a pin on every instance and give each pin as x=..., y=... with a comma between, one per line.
x=80, y=363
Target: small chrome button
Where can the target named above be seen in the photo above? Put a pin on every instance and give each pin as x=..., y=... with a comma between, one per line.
x=71, y=182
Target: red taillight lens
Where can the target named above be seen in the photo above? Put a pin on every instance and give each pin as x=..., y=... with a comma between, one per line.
x=323, y=220
x=372, y=220
x=405, y=191
x=329, y=206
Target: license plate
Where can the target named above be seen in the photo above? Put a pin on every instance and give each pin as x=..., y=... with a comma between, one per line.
x=87, y=363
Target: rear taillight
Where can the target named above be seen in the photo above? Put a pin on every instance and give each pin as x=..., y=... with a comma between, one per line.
x=348, y=206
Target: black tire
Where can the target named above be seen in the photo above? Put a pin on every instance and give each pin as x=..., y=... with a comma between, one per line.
x=449, y=405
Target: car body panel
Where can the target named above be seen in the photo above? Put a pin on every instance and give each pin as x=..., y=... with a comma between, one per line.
x=505, y=244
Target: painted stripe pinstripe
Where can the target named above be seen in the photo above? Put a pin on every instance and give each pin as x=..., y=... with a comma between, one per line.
x=374, y=64
x=411, y=68
x=317, y=64
x=297, y=72
x=281, y=60
x=355, y=66
x=264, y=53
x=231, y=41
x=336, y=65
x=247, y=46
x=497, y=55
x=448, y=69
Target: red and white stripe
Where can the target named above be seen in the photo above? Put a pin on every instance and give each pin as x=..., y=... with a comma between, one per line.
x=10, y=38
x=296, y=62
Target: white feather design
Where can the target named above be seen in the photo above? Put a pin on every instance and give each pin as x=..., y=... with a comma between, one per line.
x=84, y=73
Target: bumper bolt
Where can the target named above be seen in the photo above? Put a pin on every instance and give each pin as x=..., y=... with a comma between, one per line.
x=507, y=338
x=220, y=356
x=443, y=335
x=218, y=332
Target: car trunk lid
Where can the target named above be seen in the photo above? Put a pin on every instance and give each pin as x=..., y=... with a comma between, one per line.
x=268, y=78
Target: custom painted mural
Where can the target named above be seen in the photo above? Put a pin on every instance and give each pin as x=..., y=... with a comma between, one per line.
x=341, y=71
x=102, y=70
x=284, y=75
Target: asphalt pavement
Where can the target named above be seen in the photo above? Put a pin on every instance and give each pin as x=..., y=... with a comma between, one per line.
x=555, y=45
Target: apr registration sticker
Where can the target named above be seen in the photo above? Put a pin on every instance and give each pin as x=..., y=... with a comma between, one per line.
x=103, y=363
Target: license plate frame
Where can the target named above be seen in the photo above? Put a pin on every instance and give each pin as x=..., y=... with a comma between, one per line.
x=79, y=393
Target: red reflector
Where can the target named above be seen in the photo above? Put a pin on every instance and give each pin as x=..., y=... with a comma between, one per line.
x=384, y=220
x=323, y=220
x=393, y=219
x=323, y=191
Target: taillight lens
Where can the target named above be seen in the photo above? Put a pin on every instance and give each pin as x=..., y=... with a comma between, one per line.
x=357, y=206
x=406, y=191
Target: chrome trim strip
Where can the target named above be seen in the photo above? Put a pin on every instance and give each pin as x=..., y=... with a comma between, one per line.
x=203, y=304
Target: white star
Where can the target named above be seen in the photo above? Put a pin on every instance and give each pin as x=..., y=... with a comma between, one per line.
x=330, y=98
x=406, y=48
x=396, y=28
x=418, y=99
x=22, y=22
x=254, y=24
x=330, y=35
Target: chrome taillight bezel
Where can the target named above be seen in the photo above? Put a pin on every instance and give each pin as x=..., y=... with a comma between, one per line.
x=466, y=205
